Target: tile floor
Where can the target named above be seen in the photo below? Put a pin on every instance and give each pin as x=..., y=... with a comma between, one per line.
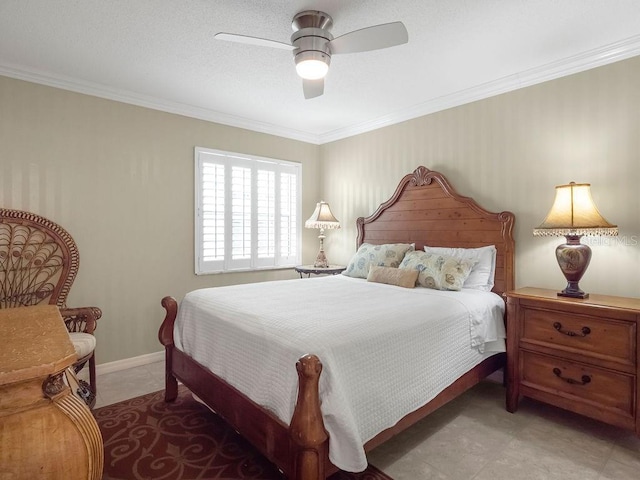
x=472, y=438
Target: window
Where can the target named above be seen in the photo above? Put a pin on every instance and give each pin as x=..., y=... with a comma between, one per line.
x=247, y=212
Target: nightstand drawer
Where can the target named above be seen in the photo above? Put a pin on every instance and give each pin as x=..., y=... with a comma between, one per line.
x=591, y=336
x=581, y=383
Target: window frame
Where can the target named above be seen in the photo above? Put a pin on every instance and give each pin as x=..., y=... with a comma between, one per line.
x=254, y=262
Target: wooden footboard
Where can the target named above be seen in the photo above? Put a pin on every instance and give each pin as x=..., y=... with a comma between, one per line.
x=300, y=451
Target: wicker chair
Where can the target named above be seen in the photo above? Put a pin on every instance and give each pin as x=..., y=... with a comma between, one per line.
x=38, y=263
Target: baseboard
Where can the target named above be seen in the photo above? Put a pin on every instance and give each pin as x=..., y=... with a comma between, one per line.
x=118, y=365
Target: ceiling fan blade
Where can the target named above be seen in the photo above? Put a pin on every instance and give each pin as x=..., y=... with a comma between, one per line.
x=370, y=38
x=313, y=88
x=261, y=42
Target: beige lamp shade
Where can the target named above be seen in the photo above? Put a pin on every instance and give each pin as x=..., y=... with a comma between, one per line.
x=322, y=218
x=574, y=213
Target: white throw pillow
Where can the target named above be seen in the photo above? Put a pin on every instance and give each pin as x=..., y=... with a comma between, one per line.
x=483, y=272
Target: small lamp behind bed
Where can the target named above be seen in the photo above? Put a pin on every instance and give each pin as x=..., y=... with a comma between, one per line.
x=322, y=218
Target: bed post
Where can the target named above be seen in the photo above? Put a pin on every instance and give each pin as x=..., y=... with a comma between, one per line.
x=309, y=439
x=165, y=335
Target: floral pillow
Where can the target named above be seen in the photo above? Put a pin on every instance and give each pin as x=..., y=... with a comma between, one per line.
x=440, y=272
x=387, y=255
x=483, y=272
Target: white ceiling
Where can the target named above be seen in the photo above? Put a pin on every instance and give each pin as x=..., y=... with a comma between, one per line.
x=161, y=54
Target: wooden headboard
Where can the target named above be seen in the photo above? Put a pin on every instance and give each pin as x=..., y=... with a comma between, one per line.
x=426, y=210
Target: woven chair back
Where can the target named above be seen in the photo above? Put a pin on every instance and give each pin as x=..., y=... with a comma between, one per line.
x=38, y=260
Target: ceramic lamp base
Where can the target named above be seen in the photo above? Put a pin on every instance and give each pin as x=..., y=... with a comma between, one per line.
x=573, y=258
x=321, y=259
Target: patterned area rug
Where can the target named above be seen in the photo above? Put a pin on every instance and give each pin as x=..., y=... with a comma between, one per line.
x=146, y=438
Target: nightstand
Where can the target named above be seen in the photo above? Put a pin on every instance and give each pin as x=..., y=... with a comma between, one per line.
x=578, y=354
x=309, y=269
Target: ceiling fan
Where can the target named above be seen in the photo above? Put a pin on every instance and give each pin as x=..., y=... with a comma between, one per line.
x=312, y=45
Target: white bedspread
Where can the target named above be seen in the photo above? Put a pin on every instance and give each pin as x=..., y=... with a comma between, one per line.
x=385, y=350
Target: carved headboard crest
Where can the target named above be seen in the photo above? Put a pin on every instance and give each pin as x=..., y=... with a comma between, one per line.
x=420, y=177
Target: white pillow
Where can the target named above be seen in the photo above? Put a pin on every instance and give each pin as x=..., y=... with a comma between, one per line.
x=483, y=272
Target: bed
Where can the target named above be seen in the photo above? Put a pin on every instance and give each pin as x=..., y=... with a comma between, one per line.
x=424, y=210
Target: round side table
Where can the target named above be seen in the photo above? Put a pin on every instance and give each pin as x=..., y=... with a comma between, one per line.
x=310, y=269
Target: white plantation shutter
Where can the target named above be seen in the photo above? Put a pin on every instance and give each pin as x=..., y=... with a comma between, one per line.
x=239, y=195
x=289, y=218
x=247, y=212
x=212, y=213
x=266, y=218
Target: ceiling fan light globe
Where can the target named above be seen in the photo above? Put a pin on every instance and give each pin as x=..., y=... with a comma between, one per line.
x=312, y=69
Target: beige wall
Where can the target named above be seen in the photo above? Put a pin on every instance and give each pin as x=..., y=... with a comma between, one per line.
x=508, y=152
x=120, y=179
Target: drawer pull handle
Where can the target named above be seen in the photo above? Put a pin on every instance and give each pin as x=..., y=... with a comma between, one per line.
x=584, y=331
x=585, y=378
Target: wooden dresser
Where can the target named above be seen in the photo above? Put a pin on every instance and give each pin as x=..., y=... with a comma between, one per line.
x=46, y=432
x=580, y=355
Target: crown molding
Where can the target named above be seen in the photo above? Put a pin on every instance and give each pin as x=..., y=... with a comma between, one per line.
x=594, y=58
x=578, y=63
x=154, y=103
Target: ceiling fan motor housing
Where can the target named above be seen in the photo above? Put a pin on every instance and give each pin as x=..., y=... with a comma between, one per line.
x=311, y=36
x=311, y=19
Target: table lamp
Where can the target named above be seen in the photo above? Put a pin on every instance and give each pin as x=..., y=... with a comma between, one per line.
x=322, y=218
x=573, y=215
